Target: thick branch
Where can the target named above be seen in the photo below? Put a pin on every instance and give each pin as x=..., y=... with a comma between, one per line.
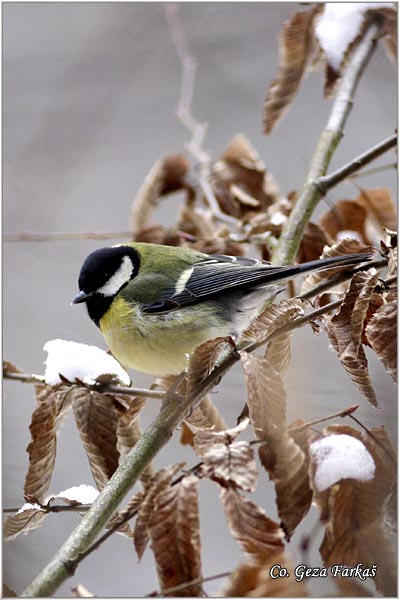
x=310, y=195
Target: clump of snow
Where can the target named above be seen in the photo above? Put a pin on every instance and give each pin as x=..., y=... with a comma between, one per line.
x=338, y=26
x=349, y=233
x=83, y=494
x=29, y=506
x=79, y=361
x=340, y=457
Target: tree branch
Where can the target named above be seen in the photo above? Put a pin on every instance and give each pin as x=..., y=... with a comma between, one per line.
x=310, y=195
x=327, y=182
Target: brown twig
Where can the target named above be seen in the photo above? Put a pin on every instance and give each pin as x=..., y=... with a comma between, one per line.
x=26, y=236
x=188, y=584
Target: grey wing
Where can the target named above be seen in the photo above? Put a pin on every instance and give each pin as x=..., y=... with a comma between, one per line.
x=209, y=278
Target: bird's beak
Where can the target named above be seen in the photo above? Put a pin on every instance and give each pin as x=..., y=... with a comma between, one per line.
x=81, y=297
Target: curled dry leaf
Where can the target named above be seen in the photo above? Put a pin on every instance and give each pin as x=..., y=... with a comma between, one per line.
x=345, y=246
x=8, y=592
x=287, y=465
x=206, y=416
x=255, y=581
x=346, y=328
x=159, y=482
x=346, y=219
x=354, y=511
x=240, y=181
x=381, y=210
x=166, y=176
x=296, y=46
x=174, y=530
x=381, y=333
x=312, y=243
x=159, y=234
x=29, y=517
x=266, y=397
x=97, y=421
x=259, y=536
x=272, y=319
x=205, y=358
x=51, y=407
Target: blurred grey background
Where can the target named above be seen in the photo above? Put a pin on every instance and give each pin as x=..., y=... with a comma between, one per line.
x=89, y=93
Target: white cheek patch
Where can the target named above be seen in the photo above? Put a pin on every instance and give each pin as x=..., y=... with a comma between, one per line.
x=121, y=276
x=183, y=279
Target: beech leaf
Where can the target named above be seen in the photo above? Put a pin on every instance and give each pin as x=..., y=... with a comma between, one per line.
x=97, y=421
x=266, y=396
x=259, y=536
x=354, y=511
x=345, y=331
x=51, y=407
x=205, y=358
x=381, y=333
x=160, y=481
x=296, y=45
x=30, y=516
x=174, y=530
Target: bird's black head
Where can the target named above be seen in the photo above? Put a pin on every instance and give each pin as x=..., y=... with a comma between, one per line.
x=103, y=274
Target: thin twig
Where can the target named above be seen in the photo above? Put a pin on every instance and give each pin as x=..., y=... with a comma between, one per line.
x=342, y=413
x=327, y=182
x=103, y=387
x=183, y=586
x=26, y=236
x=373, y=171
x=55, y=508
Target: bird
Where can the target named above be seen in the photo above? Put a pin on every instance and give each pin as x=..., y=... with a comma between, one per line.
x=155, y=304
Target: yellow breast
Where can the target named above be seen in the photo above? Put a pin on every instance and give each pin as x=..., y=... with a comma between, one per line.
x=157, y=344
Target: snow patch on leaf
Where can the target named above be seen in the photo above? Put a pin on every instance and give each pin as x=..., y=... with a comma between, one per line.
x=340, y=457
x=339, y=25
x=80, y=361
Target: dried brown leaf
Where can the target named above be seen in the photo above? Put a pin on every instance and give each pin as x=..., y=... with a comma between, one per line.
x=266, y=397
x=346, y=327
x=174, y=530
x=240, y=181
x=381, y=333
x=347, y=216
x=97, y=420
x=166, y=176
x=231, y=465
x=312, y=243
x=354, y=513
x=272, y=319
x=205, y=358
x=25, y=520
x=159, y=482
x=205, y=416
x=345, y=246
x=51, y=406
x=287, y=465
x=259, y=536
x=296, y=45
x=380, y=208
x=131, y=508
x=251, y=580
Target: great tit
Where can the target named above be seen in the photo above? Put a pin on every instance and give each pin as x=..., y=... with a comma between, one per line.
x=154, y=304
